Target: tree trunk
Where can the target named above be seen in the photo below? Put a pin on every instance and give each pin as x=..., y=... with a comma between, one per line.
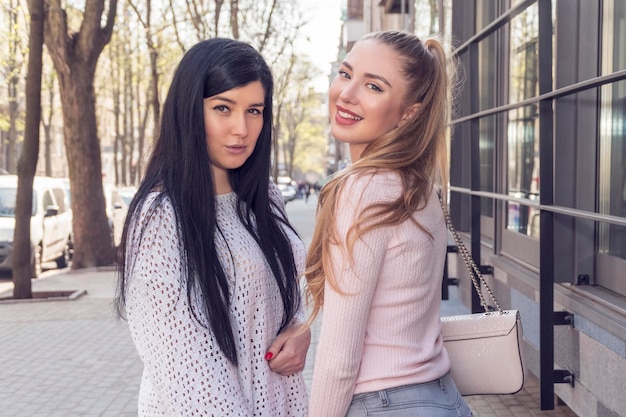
x=275, y=142
x=234, y=18
x=13, y=78
x=129, y=121
x=92, y=238
x=155, y=103
x=141, y=143
x=47, y=144
x=117, y=62
x=47, y=125
x=434, y=17
x=22, y=286
x=10, y=152
x=75, y=56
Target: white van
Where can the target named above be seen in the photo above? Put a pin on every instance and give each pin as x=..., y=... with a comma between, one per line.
x=116, y=212
x=50, y=224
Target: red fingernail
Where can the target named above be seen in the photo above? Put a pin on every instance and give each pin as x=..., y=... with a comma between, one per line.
x=268, y=356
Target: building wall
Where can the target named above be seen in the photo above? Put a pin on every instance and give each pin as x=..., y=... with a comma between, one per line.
x=540, y=185
x=502, y=155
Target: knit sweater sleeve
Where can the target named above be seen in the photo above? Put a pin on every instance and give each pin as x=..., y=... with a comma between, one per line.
x=344, y=320
x=183, y=365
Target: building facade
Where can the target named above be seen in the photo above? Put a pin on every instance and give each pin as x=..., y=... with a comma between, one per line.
x=538, y=176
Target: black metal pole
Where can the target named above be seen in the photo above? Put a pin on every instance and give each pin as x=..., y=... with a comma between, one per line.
x=475, y=166
x=546, y=239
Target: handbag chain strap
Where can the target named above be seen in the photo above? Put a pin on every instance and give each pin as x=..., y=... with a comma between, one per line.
x=474, y=271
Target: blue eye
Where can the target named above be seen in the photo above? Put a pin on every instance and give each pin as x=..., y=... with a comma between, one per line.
x=374, y=87
x=343, y=74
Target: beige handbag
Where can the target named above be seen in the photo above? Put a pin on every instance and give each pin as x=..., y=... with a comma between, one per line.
x=484, y=348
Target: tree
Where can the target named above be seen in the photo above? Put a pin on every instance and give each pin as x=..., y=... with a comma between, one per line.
x=48, y=107
x=13, y=74
x=293, y=115
x=310, y=149
x=146, y=22
x=28, y=159
x=75, y=55
x=124, y=86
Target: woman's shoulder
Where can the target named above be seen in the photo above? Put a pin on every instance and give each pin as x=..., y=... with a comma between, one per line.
x=155, y=205
x=373, y=176
x=274, y=191
x=156, y=199
x=373, y=184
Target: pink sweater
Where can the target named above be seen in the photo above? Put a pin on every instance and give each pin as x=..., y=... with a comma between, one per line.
x=386, y=333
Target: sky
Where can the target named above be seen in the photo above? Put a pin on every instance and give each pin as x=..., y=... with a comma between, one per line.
x=323, y=36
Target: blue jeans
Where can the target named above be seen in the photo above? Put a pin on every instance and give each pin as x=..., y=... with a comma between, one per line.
x=438, y=398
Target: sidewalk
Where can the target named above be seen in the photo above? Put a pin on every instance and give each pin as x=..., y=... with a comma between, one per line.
x=74, y=358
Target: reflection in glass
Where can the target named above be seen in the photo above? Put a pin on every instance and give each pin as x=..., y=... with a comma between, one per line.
x=487, y=80
x=612, y=178
x=487, y=130
x=8, y=197
x=523, y=123
x=523, y=167
x=523, y=219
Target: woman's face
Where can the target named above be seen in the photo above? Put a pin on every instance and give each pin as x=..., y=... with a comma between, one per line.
x=233, y=121
x=366, y=96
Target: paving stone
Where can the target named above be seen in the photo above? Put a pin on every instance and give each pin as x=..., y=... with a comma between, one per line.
x=75, y=358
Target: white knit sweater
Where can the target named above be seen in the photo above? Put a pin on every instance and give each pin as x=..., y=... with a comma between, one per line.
x=185, y=373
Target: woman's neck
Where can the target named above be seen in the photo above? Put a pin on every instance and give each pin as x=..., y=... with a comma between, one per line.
x=356, y=150
x=221, y=181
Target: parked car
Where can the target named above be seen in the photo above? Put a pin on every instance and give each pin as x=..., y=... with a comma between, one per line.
x=288, y=191
x=50, y=225
x=127, y=194
x=116, y=210
x=287, y=188
x=66, y=184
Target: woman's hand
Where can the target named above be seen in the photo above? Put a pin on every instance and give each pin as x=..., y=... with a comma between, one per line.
x=287, y=355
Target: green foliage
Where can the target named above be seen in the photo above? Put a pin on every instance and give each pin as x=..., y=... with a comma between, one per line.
x=4, y=122
x=310, y=154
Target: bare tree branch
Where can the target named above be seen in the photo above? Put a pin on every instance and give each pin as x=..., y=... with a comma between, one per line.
x=175, y=26
x=268, y=26
x=234, y=18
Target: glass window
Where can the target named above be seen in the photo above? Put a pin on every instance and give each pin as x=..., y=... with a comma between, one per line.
x=7, y=202
x=487, y=80
x=485, y=13
x=612, y=161
x=487, y=132
x=523, y=123
x=523, y=167
x=8, y=199
x=59, y=195
x=524, y=59
x=47, y=200
x=614, y=36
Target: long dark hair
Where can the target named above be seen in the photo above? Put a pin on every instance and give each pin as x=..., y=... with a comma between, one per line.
x=180, y=168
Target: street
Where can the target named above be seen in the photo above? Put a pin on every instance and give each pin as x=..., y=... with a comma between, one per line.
x=74, y=358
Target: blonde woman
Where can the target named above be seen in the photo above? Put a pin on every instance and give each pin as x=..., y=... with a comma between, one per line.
x=376, y=259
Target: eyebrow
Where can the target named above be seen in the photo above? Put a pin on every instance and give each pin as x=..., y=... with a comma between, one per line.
x=226, y=99
x=368, y=74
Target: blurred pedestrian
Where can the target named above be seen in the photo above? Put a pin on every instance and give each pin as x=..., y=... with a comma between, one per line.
x=377, y=254
x=301, y=189
x=209, y=262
